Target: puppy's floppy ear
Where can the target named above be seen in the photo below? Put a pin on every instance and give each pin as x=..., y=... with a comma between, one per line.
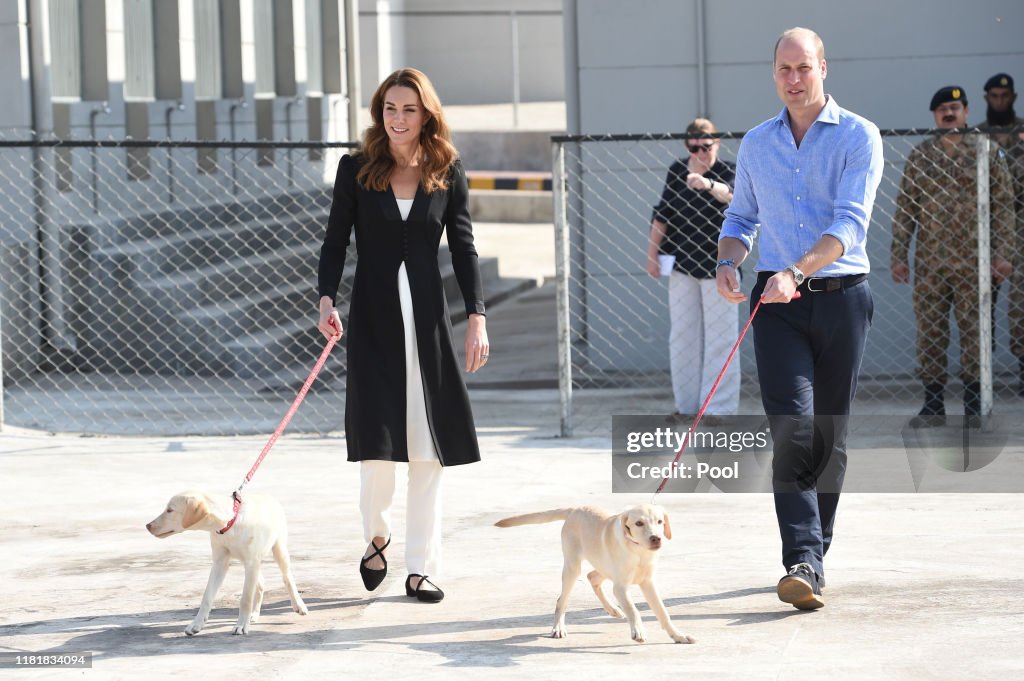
x=668, y=528
x=195, y=510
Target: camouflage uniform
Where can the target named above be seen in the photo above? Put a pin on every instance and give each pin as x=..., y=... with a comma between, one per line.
x=938, y=201
x=1014, y=147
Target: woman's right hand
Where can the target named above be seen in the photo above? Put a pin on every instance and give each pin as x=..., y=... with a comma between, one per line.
x=330, y=321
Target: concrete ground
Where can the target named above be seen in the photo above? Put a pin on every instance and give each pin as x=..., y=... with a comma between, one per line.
x=920, y=586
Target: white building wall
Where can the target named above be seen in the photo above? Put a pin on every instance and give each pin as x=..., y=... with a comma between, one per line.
x=467, y=56
x=637, y=60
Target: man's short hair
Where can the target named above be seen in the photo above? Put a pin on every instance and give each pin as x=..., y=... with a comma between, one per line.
x=798, y=32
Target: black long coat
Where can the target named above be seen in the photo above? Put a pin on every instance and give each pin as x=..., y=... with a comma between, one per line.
x=375, y=404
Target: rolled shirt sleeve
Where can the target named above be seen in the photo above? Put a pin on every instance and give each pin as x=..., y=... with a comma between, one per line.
x=857, y=186
x=741, y=221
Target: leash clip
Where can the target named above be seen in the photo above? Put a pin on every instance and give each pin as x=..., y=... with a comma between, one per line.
x=237, y=507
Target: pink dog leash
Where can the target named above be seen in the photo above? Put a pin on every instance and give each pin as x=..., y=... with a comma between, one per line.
x=237, y=494
x=707, y=400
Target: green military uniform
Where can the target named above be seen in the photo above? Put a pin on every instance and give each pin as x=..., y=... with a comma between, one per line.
x=1014, y=147
x=938, y=201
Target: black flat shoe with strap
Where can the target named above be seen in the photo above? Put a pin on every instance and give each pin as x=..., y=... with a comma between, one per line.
x=373, y=577
x=434, y=595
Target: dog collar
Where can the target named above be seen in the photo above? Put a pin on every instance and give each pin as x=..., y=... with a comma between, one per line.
x=237, y=507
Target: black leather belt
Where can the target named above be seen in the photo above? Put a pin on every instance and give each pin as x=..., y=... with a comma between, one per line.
x=821, y=284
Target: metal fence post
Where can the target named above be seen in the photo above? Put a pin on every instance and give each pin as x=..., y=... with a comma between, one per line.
x=515, y=69
x=984, y=277
x=241, y=103
x=562, y=272
x=168, y=112
x=100, y=110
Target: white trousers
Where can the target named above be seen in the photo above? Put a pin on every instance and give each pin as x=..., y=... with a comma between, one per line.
x=423, y=501
x=704, y=328
x=422, y=510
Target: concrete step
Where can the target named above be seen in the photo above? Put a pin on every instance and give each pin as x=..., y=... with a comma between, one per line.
x=195, y=250
x=497, y=205
x=261, y=309
x=239, y=276
x=266, y=352
x=188, y=219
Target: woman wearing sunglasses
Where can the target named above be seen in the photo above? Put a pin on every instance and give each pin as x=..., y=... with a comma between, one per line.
x=704, y=327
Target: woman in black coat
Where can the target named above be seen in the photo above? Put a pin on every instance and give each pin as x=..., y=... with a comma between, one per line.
x=406, y=398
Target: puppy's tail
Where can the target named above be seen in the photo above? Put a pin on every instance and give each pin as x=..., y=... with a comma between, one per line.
x=535, y=518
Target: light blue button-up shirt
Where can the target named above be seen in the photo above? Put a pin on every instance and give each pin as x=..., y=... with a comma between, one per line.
x=794, y=195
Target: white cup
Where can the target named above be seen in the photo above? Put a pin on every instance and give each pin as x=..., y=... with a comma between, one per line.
x=667, y=263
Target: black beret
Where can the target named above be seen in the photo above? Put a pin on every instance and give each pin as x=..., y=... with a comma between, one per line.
x=950, y=93
x=999, y=80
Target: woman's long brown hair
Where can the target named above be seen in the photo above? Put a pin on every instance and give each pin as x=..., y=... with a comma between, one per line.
x=437, y=153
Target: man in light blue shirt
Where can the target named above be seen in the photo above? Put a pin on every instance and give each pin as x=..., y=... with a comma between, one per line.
x=806, y=180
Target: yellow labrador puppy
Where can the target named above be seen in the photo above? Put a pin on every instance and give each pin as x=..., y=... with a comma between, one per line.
x=260, y=529
x=621, y=548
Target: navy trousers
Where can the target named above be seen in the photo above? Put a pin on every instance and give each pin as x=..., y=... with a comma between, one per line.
x=809, y=354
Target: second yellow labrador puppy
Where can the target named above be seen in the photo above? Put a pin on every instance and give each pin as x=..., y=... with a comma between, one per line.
x=621, y=548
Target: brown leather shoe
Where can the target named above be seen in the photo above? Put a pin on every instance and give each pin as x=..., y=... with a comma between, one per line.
x=800, y=588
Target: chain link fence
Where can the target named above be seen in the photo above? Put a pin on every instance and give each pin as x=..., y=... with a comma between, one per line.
x=163, y=287
x=614, y=333
x=169, y=287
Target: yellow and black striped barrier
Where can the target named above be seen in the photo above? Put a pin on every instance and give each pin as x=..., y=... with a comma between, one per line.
x=510, y=180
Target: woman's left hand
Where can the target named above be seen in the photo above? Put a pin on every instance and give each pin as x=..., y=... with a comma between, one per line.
x=477, y=348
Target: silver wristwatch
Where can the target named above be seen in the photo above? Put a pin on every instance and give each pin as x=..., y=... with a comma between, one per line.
x=798, y=276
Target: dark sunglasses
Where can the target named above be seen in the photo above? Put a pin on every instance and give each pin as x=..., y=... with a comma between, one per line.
x=694, y=148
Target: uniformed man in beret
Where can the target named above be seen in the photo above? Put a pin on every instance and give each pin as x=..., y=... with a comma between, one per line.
x=1000, y=97
x=938, y=201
